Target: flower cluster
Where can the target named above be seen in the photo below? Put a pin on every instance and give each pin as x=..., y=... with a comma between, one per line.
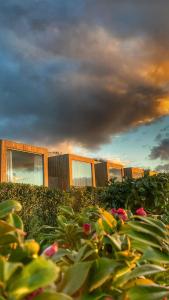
x=122, y=214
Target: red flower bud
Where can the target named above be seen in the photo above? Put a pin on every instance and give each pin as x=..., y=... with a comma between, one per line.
x=122, y=214
x=121, y=211
x=51, y=250
x=141, y=212
x=87, y=228
x=34, y=294
x=113, y=211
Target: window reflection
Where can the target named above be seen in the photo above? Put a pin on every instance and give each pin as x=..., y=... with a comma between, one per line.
x=24, y=167
x=115, y=173
x=137, y=174
x=81, y=173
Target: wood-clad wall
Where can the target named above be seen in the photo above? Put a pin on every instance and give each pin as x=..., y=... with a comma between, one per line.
x=11, y=145
x=115, y=166
x=59, y=175
x=60, y=170
x=150, y=173
x=102, y=172
x=133, y=172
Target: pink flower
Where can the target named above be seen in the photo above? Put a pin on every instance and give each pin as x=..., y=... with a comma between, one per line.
x=113, y=211
x=122, y=214
x=51, y=250
x=121, y=211
x=87, y=228
x=141, y=212
x=34, y=294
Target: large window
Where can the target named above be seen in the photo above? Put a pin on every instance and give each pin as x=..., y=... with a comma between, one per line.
x=115, y=173
x=81, y=173
x=24, y=167
x=137, y=174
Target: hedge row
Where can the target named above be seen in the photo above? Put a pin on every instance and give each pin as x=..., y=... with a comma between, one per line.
x=40, y=205
x=151, y=192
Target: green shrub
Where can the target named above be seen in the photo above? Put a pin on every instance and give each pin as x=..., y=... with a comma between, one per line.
x=23, y=273
x=151, y=192
x=123, y=257
x=118, y=259
x=41, y=204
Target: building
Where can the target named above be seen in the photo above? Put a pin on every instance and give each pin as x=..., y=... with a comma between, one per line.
x=150, y=173
x=68, y=170
x=107, y=170
x=22, y=163
x=133, y=172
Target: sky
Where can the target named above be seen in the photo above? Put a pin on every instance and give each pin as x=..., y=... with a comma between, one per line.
x=87, y=76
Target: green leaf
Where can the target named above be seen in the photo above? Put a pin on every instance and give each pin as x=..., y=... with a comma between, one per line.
x=84, y=253
x=147, y=228
x=115, y=239
x=60, y=254
x=7, y=269
x=75, y=277
x=7, y=239
x=16, y=221
x=102, y=270
x=53, y=296
x=9, y=206
x=138, y=272
x=154, y=222
x=142, y=237
x=155, y=255
x=95, y=296
x=67, y=210
x=5, y=227
x=150, y=292
x=39, y=273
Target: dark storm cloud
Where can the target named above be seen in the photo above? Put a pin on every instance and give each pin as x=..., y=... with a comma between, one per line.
x=81, y=70
x=163, y=134
x=161, y=151
x=158, y=137
x=163, y=168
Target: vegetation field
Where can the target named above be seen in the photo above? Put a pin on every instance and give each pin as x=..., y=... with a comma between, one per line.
x=110, y=243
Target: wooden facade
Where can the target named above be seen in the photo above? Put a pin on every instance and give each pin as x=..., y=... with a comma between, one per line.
x=150, y=173
x=102, y=171
x=60, y=170
x=6, y=145
x=133, y=173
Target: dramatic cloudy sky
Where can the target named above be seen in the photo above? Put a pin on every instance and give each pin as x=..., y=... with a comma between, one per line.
x=89, y=76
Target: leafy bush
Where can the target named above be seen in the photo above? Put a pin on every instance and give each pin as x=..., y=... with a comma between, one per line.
x=151, y=192
x=118, y=256
x=23, y=273
x=116, y=259
x=69, y=228
x=41, y=204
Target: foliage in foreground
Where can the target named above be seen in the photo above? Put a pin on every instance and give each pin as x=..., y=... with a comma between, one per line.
x=23, y=273
x=109, y=255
